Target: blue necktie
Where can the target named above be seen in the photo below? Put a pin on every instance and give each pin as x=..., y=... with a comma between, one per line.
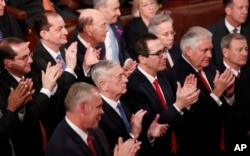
x=124, y=117
x=1, y=35
x=113, y=41
x=59, y=57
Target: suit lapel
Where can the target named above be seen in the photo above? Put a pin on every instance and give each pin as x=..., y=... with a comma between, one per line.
x=112, y=114
x=150, y=91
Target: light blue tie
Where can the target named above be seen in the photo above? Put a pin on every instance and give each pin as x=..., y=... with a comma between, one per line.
x=113, y=41
x=1, y=35
x=59, y=57
x=124, y=117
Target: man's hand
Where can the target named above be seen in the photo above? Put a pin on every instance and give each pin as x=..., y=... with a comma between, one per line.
x=91, y=57
x=136, y=122
x=19, y=96
x=129, y=67
x=70, y=55
x=128, y=148
x=155, y=129
x=222, y=82
x=52, y=74
x=188, y=94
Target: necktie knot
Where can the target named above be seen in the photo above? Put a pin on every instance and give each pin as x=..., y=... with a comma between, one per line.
x=238, y=75
x=235, y=30
x=60, y=58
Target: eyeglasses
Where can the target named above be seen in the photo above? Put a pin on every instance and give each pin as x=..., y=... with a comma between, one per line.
x=172, y=33
x=25, y=58
x=160, y=52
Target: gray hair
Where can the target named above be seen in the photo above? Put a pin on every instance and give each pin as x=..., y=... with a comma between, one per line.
x=100, y=70
x=98, y=3
x=192, y=37
x=163, y=16
x=78, y=92
x=227, y=39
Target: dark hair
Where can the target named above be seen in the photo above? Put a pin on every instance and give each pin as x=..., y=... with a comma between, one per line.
x=40, y=22
x=141, y=47
x=227, y=2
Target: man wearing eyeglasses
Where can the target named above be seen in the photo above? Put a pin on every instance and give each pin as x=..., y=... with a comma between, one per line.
x=148, y=88
x=25, y=125
x=162, y=26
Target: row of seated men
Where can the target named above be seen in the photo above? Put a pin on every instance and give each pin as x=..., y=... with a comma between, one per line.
x=179, y=113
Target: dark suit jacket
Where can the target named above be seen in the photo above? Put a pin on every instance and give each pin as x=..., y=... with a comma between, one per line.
x=113, y=125
x=219, y=30
x=66, y=142
x=175, y=53
x=24, y=134
x=132, y=31
x=118, y=31
x=200, y=132
x=10, y=27
x=34, y=7
x=237, y=117
x=141, y=95
x=41, y=57
x=81, y=49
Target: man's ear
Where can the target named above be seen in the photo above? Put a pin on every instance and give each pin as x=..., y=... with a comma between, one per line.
x=103, y=85
x=142, y=59
x=7, y=63
x=225, y=52
x=44, y=34
x=188, y=50
x=228, y=10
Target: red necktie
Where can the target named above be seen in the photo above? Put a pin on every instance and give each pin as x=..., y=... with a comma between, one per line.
x=44, y=135
x=159, y=94
x=91, y=145
x=222, y=140
x=238, y=76
x=204, y=81
x=174, y=145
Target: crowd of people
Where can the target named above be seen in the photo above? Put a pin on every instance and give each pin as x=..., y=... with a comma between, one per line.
x=124, y=91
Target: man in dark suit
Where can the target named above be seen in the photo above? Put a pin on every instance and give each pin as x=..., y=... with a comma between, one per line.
x=8, y=118
x=143, y=92
x=111, y=82
x=9, y=26
x=162, y=26
x=200, y=133
x=92, y=29
x=50, y=29
x=237, y=128
x=74, y=135
x=35, y=7
x=29, y=129
x=114, y=44
x=234, y=21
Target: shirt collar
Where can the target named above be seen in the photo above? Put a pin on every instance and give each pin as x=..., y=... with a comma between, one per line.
x=51, y=52
x=112, y=103
x=148, y=76
x=230, y=28
x=235, y=72
x=79, y=131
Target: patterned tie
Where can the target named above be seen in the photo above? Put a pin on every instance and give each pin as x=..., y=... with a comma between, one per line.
x=113, y=41
x=1, y=35
x=59, y=57
x=174, y=145
x=124, y=117
x=91, y=145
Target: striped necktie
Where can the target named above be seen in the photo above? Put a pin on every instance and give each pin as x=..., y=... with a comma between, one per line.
x=1, y=35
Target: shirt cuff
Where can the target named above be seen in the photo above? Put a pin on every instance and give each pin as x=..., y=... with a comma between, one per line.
x=71, y=71
x=180, y=111
x=46, y=92
x=216, y=99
